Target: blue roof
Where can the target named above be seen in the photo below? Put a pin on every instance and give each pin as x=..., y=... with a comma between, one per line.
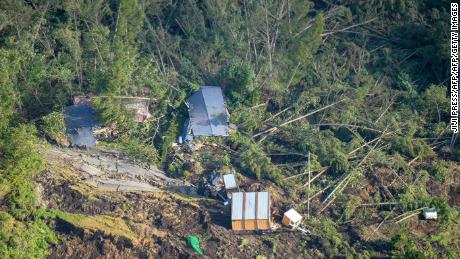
x=83, y=137
x=208, y=116
x=79, y=120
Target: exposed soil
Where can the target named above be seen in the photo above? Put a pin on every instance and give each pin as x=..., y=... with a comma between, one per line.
x=163, y=217
x=162, y=220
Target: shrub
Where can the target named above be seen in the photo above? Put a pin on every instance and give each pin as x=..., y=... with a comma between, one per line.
x=54, y=127
x=239, y=79
x=24, y=240
x=441, y=170
x=253, y=161
x=112, y=111
x=404, y=247
x=136, y=149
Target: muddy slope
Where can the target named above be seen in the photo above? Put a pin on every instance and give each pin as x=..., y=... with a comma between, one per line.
x=161, y=219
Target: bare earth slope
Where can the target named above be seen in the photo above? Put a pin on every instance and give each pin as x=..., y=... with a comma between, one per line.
x=160, y=211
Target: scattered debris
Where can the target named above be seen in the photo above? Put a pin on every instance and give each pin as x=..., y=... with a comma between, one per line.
x=230, y=184
x=216, y=187
x=140, y=106
x=430, y=213
x=81, y=120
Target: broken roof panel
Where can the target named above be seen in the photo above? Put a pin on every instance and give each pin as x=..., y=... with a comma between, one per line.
x=79, y=120
x=83, y=137
x=250, y=206
x=80, y=116
x=207, y=112
x=230, y=181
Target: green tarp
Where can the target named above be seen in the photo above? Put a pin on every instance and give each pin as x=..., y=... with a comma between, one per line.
x=194, y=242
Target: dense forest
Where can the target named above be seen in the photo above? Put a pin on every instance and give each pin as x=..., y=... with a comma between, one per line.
x=362, y=86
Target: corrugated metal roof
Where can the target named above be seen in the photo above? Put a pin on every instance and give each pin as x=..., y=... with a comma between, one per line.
x=263, y=205
x=207, y=112
x=230, y=181
x=250, y=210
x=237, y=206
x=80, y=116
x=250, y=206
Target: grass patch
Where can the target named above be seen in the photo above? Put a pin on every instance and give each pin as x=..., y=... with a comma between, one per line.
x=116, y=227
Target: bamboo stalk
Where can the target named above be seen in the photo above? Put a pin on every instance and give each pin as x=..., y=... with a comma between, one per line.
x=406, y=213
x=316, y=176
x=348, y=28
x=316, y=194
x=296, y=119
x=379, y=204
x=370, y=142
x=347, y=125
x=304, y=173
x=125, y=97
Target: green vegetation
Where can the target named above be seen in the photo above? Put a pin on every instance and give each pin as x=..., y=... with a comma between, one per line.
x=54, y=127
x=360, y=85
x=21, y=234
x=116, y=227
x=24, y=239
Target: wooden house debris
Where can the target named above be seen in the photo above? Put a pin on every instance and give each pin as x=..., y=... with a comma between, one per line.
x=140, y=107
x=430, y=213
x=251, y=211
x=214, y=185
x=208, y=115
x=81, y=118
x=292, y=218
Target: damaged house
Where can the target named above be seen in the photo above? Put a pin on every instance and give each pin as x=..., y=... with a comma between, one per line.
x=140, y=107
x=80, y=119
x=208, y=115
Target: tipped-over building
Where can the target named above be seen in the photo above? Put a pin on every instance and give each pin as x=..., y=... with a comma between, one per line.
x=208, y=114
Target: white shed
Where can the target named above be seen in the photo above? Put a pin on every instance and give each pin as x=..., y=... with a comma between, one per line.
x=251, y=211
x=430, y=213
x=292, y=218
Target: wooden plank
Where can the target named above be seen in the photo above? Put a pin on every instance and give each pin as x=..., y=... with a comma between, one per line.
x=250, y=224
x=263, y=224
x=237, y=224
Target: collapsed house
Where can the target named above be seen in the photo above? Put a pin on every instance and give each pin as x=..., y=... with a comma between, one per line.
x=140, y=107
x=251, y=211
x=80, y=119
x=208, y=114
